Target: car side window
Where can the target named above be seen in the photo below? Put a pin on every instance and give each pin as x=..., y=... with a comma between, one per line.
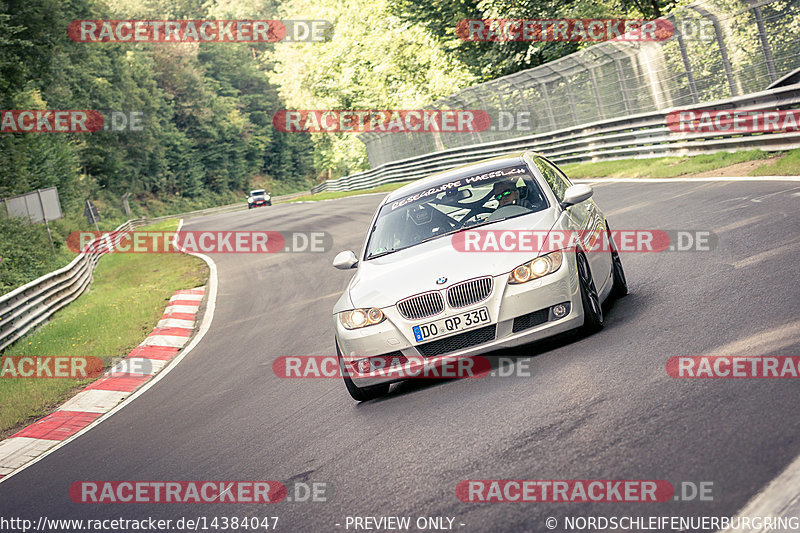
x=553, y=177
x=560, y=174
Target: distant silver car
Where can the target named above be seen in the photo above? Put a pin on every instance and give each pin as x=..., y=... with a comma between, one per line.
x=416, y=297
x=257, y=198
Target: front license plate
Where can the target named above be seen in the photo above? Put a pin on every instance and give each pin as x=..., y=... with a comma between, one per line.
x=451, y=324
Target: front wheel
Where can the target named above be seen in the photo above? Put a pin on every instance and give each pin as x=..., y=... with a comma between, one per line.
x=592, y=310
x=360, y=394
x=619, y=287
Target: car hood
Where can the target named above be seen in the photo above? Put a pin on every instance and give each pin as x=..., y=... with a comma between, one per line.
x=383, y=281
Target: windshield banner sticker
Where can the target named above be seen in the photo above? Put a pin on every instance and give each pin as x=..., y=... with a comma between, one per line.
x=509, y=171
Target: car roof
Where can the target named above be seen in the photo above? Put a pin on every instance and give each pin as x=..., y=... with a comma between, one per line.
x=462, y=171
x=258, y=190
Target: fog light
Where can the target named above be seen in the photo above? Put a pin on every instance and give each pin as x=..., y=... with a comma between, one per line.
x=560, y=310
x=363, y=366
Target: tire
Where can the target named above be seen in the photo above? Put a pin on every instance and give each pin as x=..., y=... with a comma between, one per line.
x=360, y=394
x=619, y=287
x=592, y=310
x=249, y=206
x=269, y=203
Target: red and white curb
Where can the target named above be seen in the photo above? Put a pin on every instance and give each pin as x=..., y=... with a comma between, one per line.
x=165, y=341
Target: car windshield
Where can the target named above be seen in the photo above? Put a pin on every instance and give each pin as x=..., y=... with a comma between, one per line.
x=452, y=205
x=257, y=193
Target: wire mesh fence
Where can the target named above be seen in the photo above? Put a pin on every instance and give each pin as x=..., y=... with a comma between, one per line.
x=717, y=49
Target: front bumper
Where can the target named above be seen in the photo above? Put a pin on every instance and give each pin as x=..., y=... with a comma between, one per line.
x=513, y=315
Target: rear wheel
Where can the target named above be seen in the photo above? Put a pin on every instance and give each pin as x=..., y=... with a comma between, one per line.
x=619, y=287
x=360, y=394
x=592, y=311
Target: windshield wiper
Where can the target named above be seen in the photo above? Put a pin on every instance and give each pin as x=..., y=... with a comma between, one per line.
x=385, y=252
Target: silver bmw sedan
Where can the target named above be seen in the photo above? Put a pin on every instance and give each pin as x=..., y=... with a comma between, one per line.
x=490, y=255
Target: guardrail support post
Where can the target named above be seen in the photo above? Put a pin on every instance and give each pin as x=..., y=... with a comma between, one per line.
x=723, y=48
x=762, y=35
x=623, y=85
x=549, y=107
x=46, y=223
x=688, y=67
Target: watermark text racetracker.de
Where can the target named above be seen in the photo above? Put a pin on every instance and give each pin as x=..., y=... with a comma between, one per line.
x=734, y=367
x=42, y=367
x=565, y=30
x=381, y=120
x=243, y=242
x=184, y=492
x=400, y=367
x=72, y=367
x=402, y=120
x=582, y=491
x=199, y=31
x=70, y=121
x=50, y=121
x=733, y=120
x=584, y=30
x=595, y=240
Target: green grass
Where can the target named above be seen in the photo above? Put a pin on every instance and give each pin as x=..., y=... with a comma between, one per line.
x=788, y=165
x=341, y=194
x=662, y=167
x=123, y=304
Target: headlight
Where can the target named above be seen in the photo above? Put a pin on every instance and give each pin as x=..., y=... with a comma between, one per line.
x=360, y=318
x=541, y=266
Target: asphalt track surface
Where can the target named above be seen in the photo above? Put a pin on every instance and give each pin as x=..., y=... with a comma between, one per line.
x=598, y=407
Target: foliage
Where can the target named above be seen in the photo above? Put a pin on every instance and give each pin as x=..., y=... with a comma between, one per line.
x=489, y=60
x=375, y=60
x=206, y=108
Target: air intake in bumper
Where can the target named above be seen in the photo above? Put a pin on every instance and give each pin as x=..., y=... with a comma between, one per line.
x=458, y=342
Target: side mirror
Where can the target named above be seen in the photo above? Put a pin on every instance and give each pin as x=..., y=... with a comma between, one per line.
x=576, y=194
x=345, y=260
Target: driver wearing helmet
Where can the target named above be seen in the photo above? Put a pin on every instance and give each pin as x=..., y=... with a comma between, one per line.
x=506, y=192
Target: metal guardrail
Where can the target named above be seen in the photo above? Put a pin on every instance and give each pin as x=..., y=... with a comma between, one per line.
x=716, y=49
x=30, y=305
x=644, y=135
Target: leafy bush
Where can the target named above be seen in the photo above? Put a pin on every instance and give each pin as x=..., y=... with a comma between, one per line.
x=25, y=253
